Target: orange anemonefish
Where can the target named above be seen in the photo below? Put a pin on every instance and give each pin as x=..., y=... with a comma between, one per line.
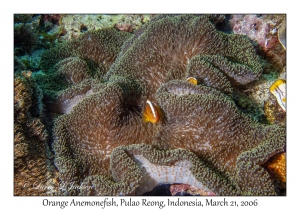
x=192, y=80
x=278, y=90
x=150, y=113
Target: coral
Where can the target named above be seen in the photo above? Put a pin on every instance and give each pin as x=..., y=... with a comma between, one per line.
x=263, y=29
x=253, y=26
x=259, y=91
x=25, y=33
x=31, y=62
x=33, y=170
x=257, y=100
x=201, y=139
x=277, y=166
x=22, y=18
x=75, y=25
x=53, y=18
x=124, y=27
x=248, y=105
x=274, y=113
x=184, y=189
x=18, y=64
x=178, y=188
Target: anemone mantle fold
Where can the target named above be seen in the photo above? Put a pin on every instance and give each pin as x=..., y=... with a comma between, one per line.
x=202, y=139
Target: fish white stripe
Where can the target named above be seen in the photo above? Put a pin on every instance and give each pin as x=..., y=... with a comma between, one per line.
x=152, y=107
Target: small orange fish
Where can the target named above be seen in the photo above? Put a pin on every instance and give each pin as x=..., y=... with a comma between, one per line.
x=150, y=113
x=192, y=80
